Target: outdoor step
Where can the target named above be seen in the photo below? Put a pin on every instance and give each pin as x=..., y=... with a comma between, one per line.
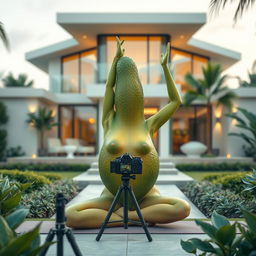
x=92, y=191
x=169, y=164
x=180, y=179
x=173, y=171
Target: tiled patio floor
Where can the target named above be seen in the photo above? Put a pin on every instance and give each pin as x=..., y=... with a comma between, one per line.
x=127, y=245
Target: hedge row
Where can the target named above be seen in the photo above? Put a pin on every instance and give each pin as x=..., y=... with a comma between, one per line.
x=47, y=167
x=210, y=197
x=215, y=167
x=36, y=180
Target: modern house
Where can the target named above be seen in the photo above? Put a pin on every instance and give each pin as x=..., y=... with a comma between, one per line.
x=78, y=69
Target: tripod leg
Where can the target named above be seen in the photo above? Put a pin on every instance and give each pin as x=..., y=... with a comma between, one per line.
x=48, y=239
x=140, y=214
x=60, y=248
x=111, y=209
x=73, y=243
x=125, y=208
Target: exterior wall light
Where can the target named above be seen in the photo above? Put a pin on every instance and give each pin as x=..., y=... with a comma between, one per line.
x=32, y=108
x=228, y=155
x=34, y=156
x=218, y=120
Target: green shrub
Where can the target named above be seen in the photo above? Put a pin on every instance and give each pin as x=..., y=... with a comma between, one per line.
x=215, y=167
x=26, y=177
x=42, y=203
x=229, y=181
x=51, y=176
x=223, y=238
x=12, y=215
x=209, y=197
x=47, y=167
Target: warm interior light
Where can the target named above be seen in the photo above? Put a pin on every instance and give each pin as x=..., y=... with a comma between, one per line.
x=150, y=111
x=34, y=156
x=228, y=155
x=234, y=109
x=181, y=36
x=32, y=108
x=84, y=36
x=92, y=120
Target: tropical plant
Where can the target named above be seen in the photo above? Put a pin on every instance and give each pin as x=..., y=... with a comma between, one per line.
x=243, y=5
x=3, y=36
x=42, y=121
x=223, y=238
x=3, y=132
x=21, y=81
x=247, y=122
x=210, y=88
x=250, y=182
x=15, y=151
x=252, y=77
x=12, y=214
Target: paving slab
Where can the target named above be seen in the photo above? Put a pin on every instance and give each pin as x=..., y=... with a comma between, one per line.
x=126, y=245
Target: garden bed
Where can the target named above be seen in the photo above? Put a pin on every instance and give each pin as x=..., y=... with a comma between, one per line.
x=39, y=197
x=222, y=193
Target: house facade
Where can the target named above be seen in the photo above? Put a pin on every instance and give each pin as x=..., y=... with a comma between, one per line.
x=78, y=69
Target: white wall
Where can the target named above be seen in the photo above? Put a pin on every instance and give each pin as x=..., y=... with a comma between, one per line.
x=19, y=132
x=231, y=144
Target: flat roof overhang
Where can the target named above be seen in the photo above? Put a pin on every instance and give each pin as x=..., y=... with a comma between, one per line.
x=180, y=26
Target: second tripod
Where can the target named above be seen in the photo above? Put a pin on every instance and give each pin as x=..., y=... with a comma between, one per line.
x=126, y=188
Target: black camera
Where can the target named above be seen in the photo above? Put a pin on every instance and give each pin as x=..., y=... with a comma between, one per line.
x=126, y=164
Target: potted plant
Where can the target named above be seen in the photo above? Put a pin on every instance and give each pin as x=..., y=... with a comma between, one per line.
x=42, y=121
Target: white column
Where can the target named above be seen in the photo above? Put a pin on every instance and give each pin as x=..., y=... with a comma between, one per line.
x=164, y=135
x=100, y=128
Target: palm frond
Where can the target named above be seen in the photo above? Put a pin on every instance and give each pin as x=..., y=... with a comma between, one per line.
x=4, y=37
x=195, y=83
x=227, y=100
x=216, y=5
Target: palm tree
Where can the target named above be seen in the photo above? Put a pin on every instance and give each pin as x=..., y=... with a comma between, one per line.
x=21, y=81
x=252, y=77
x=42, y=121
x=3, y=36
x=210, y=88
x=243, y=5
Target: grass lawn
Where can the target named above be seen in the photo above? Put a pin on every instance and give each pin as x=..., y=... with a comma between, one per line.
x=200, y=175
x=64, y=175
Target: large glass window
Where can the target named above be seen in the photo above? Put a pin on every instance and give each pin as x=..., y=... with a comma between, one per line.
x=189, y=124
x=88, y=69
x=79, y=71
x=184, y=62
x=70, y=80
x=79, y=122
x=144, y=50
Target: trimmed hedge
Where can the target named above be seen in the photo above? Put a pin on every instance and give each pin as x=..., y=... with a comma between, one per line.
x=216, y=167
x=209, y=197
x=232, y=182
x=26, y=177
x=41, y=203
x=47, y=167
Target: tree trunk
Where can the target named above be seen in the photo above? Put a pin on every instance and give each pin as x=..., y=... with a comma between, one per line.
x=41, y=150
x=209, y=127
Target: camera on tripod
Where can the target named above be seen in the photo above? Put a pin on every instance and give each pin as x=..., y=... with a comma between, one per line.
x=126, y=164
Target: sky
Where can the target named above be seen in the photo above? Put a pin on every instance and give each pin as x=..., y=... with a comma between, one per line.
x=31, y=24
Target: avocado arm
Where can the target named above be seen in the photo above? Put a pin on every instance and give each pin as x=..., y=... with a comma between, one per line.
x=162, y=116
x=109, y=97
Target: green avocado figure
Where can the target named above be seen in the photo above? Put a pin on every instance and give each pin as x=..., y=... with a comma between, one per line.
x=126, y=131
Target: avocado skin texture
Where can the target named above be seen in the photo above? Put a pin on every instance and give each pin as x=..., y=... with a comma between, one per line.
x=128, y=134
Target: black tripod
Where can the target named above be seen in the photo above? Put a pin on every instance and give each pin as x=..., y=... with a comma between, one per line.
x=126, y=188
x=60, y=230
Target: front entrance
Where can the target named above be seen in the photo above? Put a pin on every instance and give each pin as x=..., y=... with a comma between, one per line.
x=189, y=124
